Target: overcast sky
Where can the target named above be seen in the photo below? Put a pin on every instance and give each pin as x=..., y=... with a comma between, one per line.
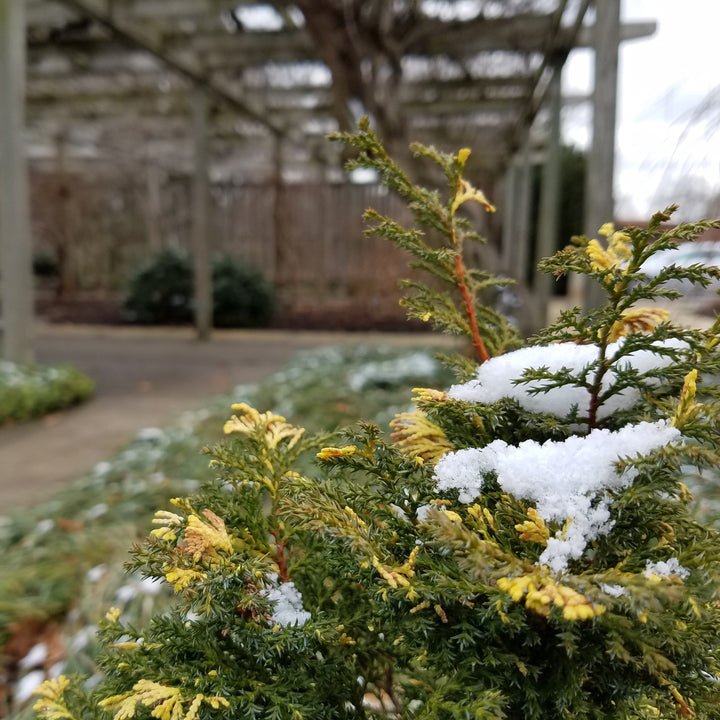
x=664, y=150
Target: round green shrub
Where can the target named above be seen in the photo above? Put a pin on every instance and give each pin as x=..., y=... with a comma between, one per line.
x=30, y=391
x=161, y=293
x=241, y=296
x=45, y=265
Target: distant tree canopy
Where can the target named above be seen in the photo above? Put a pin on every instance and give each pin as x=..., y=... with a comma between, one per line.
x=363, y=43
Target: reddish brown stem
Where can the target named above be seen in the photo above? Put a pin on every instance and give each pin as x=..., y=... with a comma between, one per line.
x=597, y=386
x=283, y=573
x=592, y=412
x=478, y=343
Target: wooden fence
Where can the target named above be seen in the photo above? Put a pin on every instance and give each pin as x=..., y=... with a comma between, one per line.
x=308, y=240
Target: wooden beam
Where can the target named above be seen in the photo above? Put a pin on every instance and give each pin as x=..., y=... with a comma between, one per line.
x=627, y=32
x=170, y=32
x=135, y=38
x=182, y=9
x=459, y=42
x=16, y=291
x=135, y=91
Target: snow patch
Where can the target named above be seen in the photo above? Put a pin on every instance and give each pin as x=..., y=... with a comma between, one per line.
x=392, y=372
x=666, y=569
x=288, y=604
x=26, y=685
x=565, y=479
x=35, y=657
x=497, y=377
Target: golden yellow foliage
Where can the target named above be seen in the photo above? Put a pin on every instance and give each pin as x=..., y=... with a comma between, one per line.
x=687, y=406
x=274, y=427
x=637, y=320
x=205, y=538
x=168, y=522
x=50, y=704
x=167, y=703
x=182, y=578
x=534, y=529
x=540, y=593
x=113, y=614
x=417, y=436
x=399, y=575
x=330, y=453
x=614, y=255
x=468, y=193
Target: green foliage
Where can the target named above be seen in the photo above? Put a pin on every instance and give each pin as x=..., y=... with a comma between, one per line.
x=162, y=293
x=44, y=265
x=331, y=387
x=62, y=558
x=451, y=282
x=522, y=546
x=28, y=391
x=241, y=296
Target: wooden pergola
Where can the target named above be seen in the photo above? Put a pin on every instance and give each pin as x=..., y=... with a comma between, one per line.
x=196, y=85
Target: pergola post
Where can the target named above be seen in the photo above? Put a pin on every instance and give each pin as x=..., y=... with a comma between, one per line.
x=516, y=215
x=600, y=205
x=200, y=226
x=508, y=249
x=16, y=286
x=549, y=193
x=524, y=192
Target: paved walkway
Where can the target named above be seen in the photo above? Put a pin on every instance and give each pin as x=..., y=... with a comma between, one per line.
x=145, y=377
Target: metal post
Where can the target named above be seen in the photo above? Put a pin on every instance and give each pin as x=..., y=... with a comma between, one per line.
x=16, y=291
x=549, y=193
x=201, y=201
x=600, y=205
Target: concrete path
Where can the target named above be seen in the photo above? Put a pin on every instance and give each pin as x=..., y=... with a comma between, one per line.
x=145, y=377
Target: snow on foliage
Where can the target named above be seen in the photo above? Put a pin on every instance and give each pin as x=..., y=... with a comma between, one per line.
x=498, y=377
x=666, y=569
x=565, y=479
x=393, y=371
x=288, y=604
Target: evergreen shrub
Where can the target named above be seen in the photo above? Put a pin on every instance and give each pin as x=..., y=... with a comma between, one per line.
x=31, y=391
x=161, y=293
x=521, y=546
x=44, y=265
x=242, y=297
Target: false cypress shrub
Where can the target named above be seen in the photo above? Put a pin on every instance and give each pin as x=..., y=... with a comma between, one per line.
x=521, y=546
x=162, y=293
